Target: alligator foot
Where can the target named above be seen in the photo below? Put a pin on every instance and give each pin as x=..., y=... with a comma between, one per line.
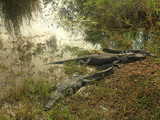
x=104, y=67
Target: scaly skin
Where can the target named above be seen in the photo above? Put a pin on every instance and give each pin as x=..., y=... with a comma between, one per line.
x=106, y=58
x=70, y=86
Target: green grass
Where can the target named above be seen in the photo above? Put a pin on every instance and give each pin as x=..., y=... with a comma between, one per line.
x=24, y=101
x=132, y=93
x=73, y=67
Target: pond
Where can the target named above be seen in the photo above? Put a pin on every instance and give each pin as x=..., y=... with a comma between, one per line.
x=36, y=32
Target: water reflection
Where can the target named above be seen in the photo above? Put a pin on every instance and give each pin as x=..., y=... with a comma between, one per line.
x=14, y=11
x=117, y=38
x=38, y=32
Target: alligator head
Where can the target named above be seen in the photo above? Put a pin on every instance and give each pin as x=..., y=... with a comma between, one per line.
x=131, y=57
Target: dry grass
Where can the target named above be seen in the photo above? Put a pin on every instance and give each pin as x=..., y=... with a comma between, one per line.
x=133, y=92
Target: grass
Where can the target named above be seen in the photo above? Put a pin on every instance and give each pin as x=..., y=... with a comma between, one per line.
x=24, y=101
x=73, y=67
x=132, y=93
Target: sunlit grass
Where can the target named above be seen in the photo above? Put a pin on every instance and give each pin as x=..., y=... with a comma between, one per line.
x=24, y=101
x=73, y=67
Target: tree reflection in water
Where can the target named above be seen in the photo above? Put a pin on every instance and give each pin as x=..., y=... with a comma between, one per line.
x=14, y=11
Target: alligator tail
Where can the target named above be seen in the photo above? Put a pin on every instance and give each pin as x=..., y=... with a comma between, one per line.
x=58, y=62
x=113, y=51
x=61, y=62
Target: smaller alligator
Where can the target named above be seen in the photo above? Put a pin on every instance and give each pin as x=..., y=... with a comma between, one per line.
x=70, y=86
x=127, y=51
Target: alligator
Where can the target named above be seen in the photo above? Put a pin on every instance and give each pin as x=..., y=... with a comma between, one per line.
x=104, y=63
x=127, y=51
x=72, y=85
x=112, y=56
x=106, y=58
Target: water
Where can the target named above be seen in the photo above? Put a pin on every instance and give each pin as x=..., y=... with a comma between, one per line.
x=47, y=24
x=36, y=32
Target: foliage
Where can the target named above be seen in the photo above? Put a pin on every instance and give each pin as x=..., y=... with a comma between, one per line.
x=72, y=67
x=113, y=13
x=59, y=112
x=128, y=17
x=152, y=10
x=124, y=13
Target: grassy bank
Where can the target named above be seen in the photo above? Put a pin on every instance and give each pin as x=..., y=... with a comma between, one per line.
x=24, y=101
x=132, y=92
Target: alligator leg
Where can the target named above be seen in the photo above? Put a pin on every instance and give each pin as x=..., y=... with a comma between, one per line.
x=115, y=63
x=104, y=67
x=82, y=62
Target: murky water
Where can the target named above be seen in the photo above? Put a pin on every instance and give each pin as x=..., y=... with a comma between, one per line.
x=36, y=32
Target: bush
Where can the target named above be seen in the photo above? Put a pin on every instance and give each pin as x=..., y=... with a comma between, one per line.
x=113, y=13
x=123, y=13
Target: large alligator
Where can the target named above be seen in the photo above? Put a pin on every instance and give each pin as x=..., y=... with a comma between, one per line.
x=105, y=61
x=71, y=85
x=112, y=57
